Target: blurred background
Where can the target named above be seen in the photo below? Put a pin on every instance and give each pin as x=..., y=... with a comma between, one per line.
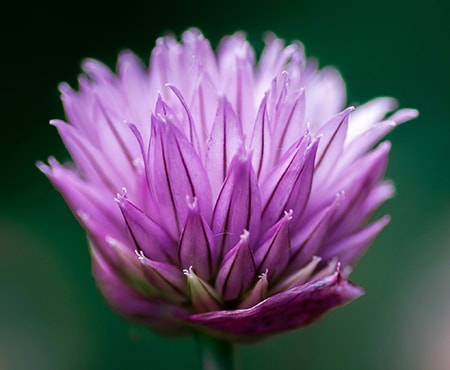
x=52, y=316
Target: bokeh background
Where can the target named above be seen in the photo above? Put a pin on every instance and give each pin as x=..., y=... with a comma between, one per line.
x=52, y=316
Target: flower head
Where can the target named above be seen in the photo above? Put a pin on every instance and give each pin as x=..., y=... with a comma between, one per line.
x=220, y=193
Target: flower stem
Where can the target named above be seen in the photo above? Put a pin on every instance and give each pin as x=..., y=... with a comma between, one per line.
x=216, y=354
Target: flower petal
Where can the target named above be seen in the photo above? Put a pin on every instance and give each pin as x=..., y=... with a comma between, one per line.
x=350, y=249
x=203, y=105
x=274, y=59
x=332, y=134
x=225, y=140
x=238, y=206
x=147, y=235
x=257, y=294
x=306, y=241
x=155, y=313
x=288, y=185
x=167, y=279
x=237, y=272
x=368, y=114
x=275, y=249
x=236, y=60
x=260, y=142
x=175, y=171
x=286, y=110
x=298, y=278
x=288, y=310
x=83, y=197
x=202, y=295
x=196, y=244
x=325, y=96
x=92, y=162
x=134, y=80
x=356, y=186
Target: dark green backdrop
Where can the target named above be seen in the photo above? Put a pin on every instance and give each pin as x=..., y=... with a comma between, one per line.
x=51, y=315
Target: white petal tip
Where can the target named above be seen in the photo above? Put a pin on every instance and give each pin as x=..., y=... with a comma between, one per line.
x=120, y=196
x=245, y=235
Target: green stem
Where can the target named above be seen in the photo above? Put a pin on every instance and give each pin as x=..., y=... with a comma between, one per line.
x=216, y=354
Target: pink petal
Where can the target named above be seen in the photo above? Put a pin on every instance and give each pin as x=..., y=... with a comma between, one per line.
x=147, y=235
x=196, y=245
x=288, y=310
x=175, y=172
x=237, y=272
x=224, y=142
x=238, y=206
x=275, y=250
x=288, y=185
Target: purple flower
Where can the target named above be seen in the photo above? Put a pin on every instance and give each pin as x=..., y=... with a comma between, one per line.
x=245, y=188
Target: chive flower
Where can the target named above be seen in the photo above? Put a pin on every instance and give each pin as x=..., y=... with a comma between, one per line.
x=223, y=193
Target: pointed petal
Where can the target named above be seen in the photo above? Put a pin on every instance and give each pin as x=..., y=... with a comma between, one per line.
x=196, y=245
x=236, y=61
x=333, y=134
x=107, y=244
x=275, y=57
x=189, y=127
x=286, y=110
x=260, y=142
x=368, y=114
x=166, y=64
x=330, y=267
x=356, y=186
x=290, y=123
x=155, y=313
x=237, y=272
x=305, y=243
x=170, y=60
x=134, y=80
x=175, y=171
x=200, y=52
x=95, y=167
x=257, y=294
x=238, y=206
x=288, y=185
x=110, y=113
x=361, y=145
x=298, y=278
x=404, y=115
x=117, y=256
x=167, y=279
x=72, y=101
x=225, y=140
x=203, y=105
x=202, y=295
x=325, y=96
x=288, y=310
x=349, y=250
x=362, y=205
x=363, y=142
x=83, y=197
x=273, y=255
x=128, y=267
x=147, y=235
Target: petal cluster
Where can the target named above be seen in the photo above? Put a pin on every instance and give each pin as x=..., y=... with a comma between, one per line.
x=220, y=192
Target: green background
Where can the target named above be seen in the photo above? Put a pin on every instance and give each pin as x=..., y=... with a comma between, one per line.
x=52, y=316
